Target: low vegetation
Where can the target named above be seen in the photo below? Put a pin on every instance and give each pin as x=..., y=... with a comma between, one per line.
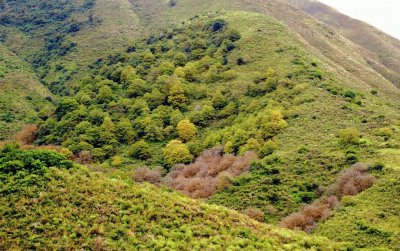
x=51, y=199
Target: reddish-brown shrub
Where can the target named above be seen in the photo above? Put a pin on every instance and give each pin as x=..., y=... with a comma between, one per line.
x=350, y=182
x=254, y=213
x=307, y=217
x=211, y=171
x=27, y=135
x=84, y=157
x=144, y=174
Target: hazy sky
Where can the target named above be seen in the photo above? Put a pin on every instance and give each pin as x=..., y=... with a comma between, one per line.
x=383, y=14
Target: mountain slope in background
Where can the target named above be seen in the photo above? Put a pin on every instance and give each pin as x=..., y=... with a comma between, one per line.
x=380, y=51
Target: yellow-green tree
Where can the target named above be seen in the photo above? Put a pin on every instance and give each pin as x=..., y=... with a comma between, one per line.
x=177, y=96
x=177, y=152
x=186, y=130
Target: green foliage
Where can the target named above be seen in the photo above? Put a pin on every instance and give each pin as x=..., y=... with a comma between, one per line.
x=349, y=136
x=140, y=150
x=186, y=130
x=176, y=152
x=144, y=93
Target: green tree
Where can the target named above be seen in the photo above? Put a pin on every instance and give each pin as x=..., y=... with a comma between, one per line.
x=107, y=131
x=186, y=130
x=66, y=105
x=140, y=150
x=176, y=96
x=218, y=100
x=105, y=95
x=124, y=131
x=177, y=152
x=128, y=74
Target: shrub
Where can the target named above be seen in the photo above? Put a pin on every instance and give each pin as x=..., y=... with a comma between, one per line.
x=349, y=94
x=186, y=130
x=309, y=215
x=349, y=183
x=349, y=136
x=352, y=181
x=144, y=174
x=254, y=213
x=27, y=135
x=212, y=171
x=177, y=152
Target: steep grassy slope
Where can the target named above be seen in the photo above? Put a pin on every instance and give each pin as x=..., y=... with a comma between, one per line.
x=380, y=51
x=22, y=96
x=43, y=207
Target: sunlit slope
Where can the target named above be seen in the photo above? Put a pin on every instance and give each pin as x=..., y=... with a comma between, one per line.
x=381, y=51
x=21, y=94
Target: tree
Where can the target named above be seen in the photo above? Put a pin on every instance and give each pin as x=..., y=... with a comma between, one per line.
x=140, y=150
x=128, y=74
x=107, y=131
x=125, y=132
x=176, y=96
x=271, y=123
x=218, y=100
x=66, y=105
x=177, y=152
x=136, y=87
x=105, y=95
x=186, y=130
x=166, y=68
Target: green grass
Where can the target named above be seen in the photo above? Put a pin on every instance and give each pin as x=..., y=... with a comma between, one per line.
x=45, y=207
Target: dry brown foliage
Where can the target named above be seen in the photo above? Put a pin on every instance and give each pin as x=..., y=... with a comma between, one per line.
x=27, y=135
x=309, y=215
x=254, y=213
x=350, y=182
x=144, y=174
x=210, y=172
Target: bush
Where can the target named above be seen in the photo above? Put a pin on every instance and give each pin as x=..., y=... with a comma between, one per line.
x=144, y=174
x=27, y=135
x=177, y=152
x=254, y=213
x=212, y=171
x=349, y=183
x=349, y=136
x=352, y=181
x=309, y=215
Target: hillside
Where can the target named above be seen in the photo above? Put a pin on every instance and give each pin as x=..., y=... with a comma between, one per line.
x=22, y=96
x=93, y=212
x=380, y=51
x=257, y=106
